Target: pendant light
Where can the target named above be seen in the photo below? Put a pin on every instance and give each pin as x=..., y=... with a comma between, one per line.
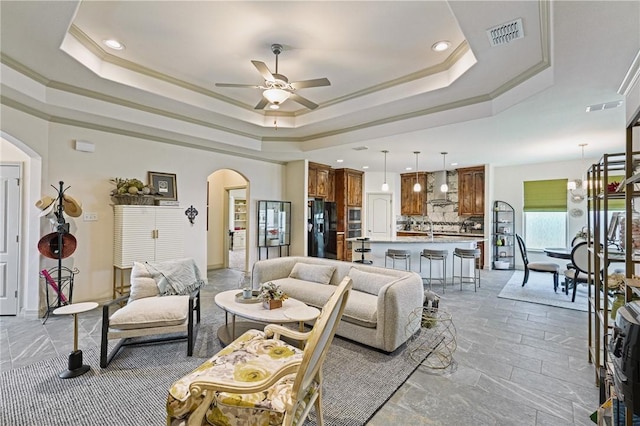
x=444, y=187
x=572, y=185
x=417, y=187
x=385, y=185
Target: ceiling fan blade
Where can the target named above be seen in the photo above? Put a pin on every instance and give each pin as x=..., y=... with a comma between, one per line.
x=303, y=101
x=311, y=83
x=263, y=103
x=253, y=86
x=264, y=70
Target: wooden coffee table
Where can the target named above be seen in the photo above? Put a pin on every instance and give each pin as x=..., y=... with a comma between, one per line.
x=292, y=311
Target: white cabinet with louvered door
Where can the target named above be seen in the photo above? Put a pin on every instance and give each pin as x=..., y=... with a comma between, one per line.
x=144, y=233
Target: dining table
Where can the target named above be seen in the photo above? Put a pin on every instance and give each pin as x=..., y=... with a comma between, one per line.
x=559, y=252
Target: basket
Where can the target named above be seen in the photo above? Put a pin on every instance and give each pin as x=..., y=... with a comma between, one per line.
x=501, y=264
x=133, y=200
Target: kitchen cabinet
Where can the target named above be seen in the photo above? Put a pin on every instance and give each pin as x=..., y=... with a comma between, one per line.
x=145, y=233
x=354, y=188
x=471, y=191
x=348, y=197
x=318, y=185
x=413, y=203
x=340, y=246
x=331, y=194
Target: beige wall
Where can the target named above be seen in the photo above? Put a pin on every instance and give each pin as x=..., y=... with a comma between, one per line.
x=88, y=174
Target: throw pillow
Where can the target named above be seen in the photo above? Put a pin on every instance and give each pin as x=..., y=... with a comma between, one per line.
x=315, y=273
x=369, y=282
x=142, y=283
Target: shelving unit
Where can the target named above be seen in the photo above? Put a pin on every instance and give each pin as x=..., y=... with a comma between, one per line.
x=239, y=214
x=627, y=253
x=503, y=235
x=274, y=226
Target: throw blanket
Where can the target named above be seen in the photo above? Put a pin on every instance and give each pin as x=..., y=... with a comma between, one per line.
x=180, y=276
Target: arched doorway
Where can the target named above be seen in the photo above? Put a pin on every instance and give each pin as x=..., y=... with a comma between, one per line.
x=228, y=220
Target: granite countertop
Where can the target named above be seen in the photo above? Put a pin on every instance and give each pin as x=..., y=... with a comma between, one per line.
x=424, y=239
x=450, y=234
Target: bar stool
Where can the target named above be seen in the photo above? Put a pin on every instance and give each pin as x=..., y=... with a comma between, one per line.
x=362, y=250
x=468, y=255
x=394, y=254
x=436, y=255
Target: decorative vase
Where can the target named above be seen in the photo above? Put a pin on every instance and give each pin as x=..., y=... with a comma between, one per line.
x=618, y=302
x=272, y=304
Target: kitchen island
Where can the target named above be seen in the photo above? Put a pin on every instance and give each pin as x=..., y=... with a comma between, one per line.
x=415, y=244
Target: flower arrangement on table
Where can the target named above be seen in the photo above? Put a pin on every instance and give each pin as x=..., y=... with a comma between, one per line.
x=271, y=295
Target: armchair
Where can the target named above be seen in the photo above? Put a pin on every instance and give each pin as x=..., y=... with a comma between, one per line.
x=148, y=313
x=258, y=378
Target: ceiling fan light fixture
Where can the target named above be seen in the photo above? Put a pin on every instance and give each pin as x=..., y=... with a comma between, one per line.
x=274, y=106
x=276, y=96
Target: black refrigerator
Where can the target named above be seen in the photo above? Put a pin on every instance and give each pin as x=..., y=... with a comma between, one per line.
x=322, y=226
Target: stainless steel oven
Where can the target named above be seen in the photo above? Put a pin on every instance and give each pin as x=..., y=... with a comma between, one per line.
x=354, y=223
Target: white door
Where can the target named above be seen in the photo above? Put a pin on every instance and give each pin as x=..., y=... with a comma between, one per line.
x=379, y=216
x=9, y=238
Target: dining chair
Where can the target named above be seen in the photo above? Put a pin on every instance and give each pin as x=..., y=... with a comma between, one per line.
x=548, y=267
x=579, y=273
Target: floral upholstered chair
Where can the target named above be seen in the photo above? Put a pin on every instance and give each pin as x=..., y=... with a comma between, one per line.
x=259, y=379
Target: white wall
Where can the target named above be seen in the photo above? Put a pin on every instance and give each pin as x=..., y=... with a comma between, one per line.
x=88, y=174
x=507, y=185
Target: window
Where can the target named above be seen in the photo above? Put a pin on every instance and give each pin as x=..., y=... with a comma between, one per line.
x=545, y=213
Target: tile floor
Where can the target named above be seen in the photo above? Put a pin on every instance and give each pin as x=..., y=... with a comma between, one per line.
x=516, y=363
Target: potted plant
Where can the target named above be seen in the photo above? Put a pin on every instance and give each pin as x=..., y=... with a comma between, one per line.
x=271, y=295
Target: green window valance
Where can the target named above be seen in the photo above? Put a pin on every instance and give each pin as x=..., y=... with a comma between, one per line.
x=545, y=195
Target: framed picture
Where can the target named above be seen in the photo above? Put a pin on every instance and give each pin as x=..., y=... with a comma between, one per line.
x=165, y=185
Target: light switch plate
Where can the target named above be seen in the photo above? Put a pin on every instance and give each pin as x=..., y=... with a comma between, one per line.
x=90, y=217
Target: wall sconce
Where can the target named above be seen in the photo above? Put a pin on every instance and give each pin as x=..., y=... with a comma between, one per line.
x=191, y=213
x=385, y=185
x=417, y=187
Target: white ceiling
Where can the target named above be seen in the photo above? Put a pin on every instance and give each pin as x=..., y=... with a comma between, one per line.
x=522, y=102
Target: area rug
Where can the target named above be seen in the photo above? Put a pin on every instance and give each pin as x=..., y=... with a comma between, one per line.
x=539, y=289
x=133, y=389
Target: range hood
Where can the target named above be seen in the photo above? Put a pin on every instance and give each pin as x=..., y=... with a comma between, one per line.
x=439, y=198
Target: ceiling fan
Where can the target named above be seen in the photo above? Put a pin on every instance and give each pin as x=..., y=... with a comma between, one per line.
x=276, y=88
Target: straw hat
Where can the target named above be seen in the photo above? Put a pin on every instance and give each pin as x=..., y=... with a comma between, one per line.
x=46, y=204
x=48, y=245
x=71, y=206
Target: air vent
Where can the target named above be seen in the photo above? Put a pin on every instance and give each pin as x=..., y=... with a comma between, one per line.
x=361, y=148
x=602, y=107
x=505, y=33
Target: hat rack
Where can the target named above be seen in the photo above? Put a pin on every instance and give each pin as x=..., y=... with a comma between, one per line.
x=59, y=278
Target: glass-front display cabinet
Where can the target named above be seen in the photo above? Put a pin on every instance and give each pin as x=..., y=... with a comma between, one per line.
x=274, y=226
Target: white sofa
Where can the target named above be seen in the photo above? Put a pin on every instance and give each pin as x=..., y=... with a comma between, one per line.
x=379, y=306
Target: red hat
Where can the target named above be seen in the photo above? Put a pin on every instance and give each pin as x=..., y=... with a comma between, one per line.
x=48, y=245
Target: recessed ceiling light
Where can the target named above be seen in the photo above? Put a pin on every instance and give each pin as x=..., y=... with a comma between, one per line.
x=441, y=46
x=365, y=167
x=113, y=44
x=339, y=161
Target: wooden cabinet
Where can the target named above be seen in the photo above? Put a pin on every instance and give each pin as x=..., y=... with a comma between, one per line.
x=348, y=195
x=340, y=246
x=318, y=180
x=480, y=260
x=413, y=203
x=331, y=194
x=145, y=233
x=354, y=188
x=471, y=191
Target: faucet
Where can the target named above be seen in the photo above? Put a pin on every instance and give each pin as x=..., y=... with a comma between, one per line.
x=428, y=219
